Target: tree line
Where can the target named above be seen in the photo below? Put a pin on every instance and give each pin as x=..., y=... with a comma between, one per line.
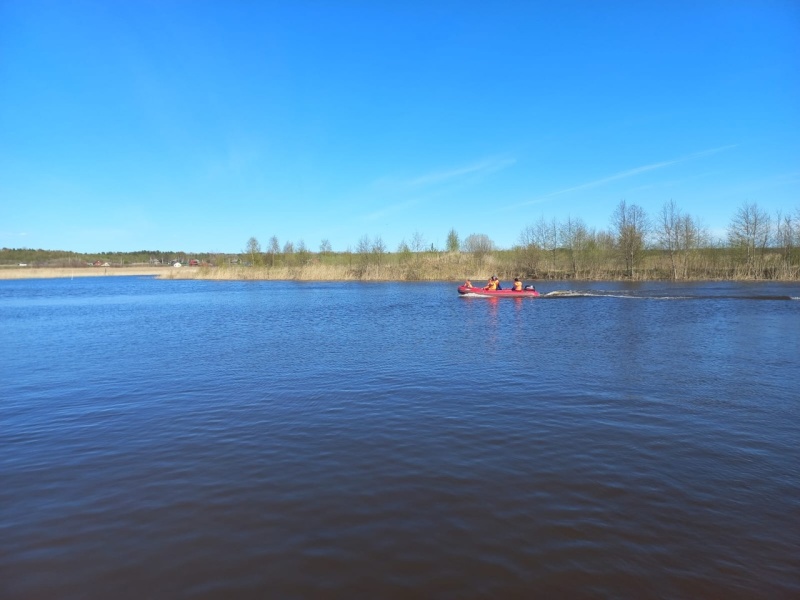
x=671, y=244
x=62, y=258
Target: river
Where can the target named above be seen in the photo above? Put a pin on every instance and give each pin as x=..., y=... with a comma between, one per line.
x=197, y=439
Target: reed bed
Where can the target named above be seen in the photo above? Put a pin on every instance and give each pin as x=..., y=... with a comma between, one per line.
x=320, y=272
x=69, y=272
x=442, y=266
x=506, y=266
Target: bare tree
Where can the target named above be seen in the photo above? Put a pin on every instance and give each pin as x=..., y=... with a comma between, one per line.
x=253, y=250
x=681, y=237
x=575, y=238
x=378, y=249
x=288, y=253
x=536, y=241
x=363, y=249
x=547, y=236
x=325, y=247
x=787, y=239
x=303, y=255
x=748, y=234
x=274, y=249
x=417, y=242
x=529, y=251
x=668, y=233
x=692, y=237
x=479, y=245
x=631, y=227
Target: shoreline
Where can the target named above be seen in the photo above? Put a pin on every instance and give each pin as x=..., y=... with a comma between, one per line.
x=337, y=273
x=69, y=272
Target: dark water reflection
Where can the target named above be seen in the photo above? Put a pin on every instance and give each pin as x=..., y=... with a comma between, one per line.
x=249, y=440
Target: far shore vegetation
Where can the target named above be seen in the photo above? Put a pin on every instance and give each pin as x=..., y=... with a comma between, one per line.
x=671, y=245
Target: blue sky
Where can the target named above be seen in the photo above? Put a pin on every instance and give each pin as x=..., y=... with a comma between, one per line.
x=194, y=125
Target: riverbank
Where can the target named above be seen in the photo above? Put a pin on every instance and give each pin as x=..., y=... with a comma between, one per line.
x=240, y=273
x=430, y=270
x=67, y=272
x=595, y=263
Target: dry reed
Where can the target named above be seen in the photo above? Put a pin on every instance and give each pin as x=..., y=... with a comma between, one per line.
x=695, y=266
x=68, y=272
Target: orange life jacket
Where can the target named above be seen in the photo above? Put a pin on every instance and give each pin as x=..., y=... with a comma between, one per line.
x=517, y=286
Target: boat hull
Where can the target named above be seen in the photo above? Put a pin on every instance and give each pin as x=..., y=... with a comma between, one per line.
x=480, y=292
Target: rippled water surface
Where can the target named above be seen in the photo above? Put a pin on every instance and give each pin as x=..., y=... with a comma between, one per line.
x=185, y=439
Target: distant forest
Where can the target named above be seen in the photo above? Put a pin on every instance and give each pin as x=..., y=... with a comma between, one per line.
x=670, y=245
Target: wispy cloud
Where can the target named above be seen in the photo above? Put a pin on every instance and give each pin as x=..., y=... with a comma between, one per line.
x=484, y=167
x=624, y=175
x=434, y=184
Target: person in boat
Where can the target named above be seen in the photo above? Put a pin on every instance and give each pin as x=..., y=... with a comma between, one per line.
x=492, y=284
x=468, y=284
x=517, y=285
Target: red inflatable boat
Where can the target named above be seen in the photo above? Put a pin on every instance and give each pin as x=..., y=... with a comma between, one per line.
x=480, y=292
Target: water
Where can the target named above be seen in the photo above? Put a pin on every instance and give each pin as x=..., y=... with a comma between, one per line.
x=190, y=439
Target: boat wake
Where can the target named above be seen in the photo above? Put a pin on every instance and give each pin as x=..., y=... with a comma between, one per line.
x=657, y=296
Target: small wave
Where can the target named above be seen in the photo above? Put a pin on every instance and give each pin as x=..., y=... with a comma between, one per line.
x=595, y=294
x=764, y=297
x=564, y=293
x=748, y=297
x=646, y=296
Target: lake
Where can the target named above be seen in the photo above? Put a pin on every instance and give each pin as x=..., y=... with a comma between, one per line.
x=198, y=439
